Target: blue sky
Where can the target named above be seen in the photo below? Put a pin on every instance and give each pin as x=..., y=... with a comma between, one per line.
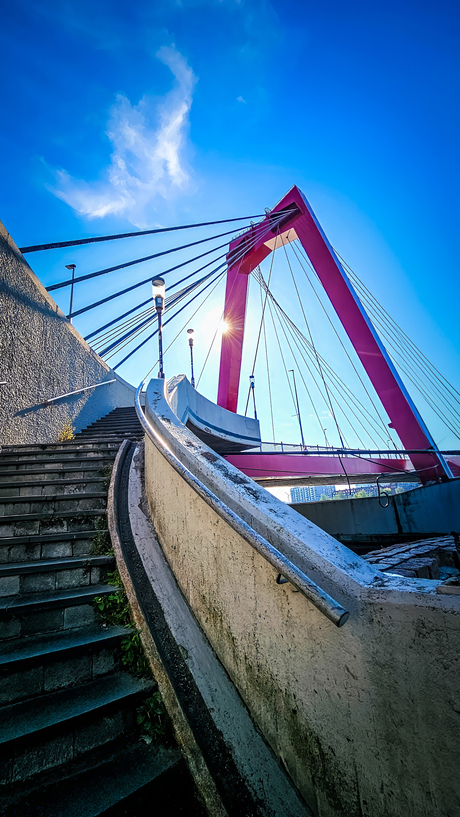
x=119, y=116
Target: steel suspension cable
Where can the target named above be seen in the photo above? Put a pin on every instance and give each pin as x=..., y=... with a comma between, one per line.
x=268, y=369
x=260, y=279
x=339, y=383
x=399, y=358
x=344, y=391
x=172, y=301
x=407, y=338
x=218, y=276
x=404, y=364
x=331, y=407
x=297, y=340
x=433, y=398
x=391, y=329
x=263, y=308
x=297, y=255
x=281, y=353
x=172, y=269
x=240, y=254
x=95, y=239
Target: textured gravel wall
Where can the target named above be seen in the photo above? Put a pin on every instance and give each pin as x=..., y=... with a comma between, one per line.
x=42, y=356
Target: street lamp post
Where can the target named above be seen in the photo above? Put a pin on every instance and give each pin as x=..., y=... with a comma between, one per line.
x=252, y=386
x=72, y=267
x=191, y=338
x=298, y=408
x=158, y=291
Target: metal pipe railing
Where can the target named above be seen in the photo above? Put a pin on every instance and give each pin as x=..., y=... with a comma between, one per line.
x=77, y=391
x=322, y=600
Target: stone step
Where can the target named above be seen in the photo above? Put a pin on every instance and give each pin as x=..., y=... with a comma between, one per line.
x=76, y=463
x=21, y=604
x=54, y=545
x=113, y=426
x=52, y=503
x=47, y=487
x=72, y=445
x=45, y=523
x=115, y=422
x=53, y=574
x=35, y=666
x=29, y=651
x=127, y=782
x=76, y=455
x=79, y=471
x=36, y=735
x=35, y=613
x=116, y=431
x=118, y=436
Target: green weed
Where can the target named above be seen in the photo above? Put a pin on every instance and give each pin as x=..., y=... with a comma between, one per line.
x=152, y=718
x=101, y=544
x=115, y=609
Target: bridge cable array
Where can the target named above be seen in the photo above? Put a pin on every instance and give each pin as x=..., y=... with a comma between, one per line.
x=218, y=272
x=342, y=402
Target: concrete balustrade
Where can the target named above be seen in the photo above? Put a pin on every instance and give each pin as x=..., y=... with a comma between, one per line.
x=365, y=718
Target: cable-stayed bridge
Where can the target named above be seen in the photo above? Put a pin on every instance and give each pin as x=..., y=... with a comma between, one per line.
x=301, y=678
x=366, y=405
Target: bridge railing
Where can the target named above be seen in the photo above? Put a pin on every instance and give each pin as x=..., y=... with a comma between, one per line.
x=287, y=569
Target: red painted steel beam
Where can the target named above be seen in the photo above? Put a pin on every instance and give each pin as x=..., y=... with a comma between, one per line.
x=403, y=414
x=289, y=466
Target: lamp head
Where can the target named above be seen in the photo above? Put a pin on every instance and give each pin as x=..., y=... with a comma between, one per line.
x=191, y=336
x=158, y=292
x=70, y=266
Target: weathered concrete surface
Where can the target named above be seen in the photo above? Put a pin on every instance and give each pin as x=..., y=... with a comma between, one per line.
x=221, y=429
x=259, y=769
x=365, y=718
x=42, y=356
x=432, y=509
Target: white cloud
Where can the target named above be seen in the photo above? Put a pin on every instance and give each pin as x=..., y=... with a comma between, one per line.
x=147, y=162
x=240, y=99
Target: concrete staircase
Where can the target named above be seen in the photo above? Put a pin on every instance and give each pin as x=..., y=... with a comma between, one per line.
x=120, y=422
x=69, y=740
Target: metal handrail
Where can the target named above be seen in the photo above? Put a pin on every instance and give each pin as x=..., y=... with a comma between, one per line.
x=322, y=600
x=77, y=391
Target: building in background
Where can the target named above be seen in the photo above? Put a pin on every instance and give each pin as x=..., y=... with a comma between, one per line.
x=318, y=493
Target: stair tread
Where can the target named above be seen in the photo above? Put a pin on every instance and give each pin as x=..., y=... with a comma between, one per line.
x=7, y=500
x=32, y=647
x=94, y=791
x=36, y=538
x=34, y=517
x=36, y=482
x=34, y=715
x=28, y=602
x=42, y=448
x=63, y=563
x=45, y=457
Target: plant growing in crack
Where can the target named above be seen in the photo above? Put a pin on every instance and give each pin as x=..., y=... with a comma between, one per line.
x=114, y=609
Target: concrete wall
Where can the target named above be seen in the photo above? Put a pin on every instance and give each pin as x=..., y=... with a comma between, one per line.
x=226, y=426
x=365, y=718
x=432, y=509
x=42, y=356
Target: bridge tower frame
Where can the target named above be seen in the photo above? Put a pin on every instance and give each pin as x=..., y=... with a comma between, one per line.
x=301, y=222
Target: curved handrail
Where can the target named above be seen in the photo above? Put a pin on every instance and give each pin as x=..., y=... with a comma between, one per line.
x=325, y=603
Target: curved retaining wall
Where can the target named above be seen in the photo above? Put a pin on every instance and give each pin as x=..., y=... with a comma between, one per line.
x=364, y=718
x=42, y=356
